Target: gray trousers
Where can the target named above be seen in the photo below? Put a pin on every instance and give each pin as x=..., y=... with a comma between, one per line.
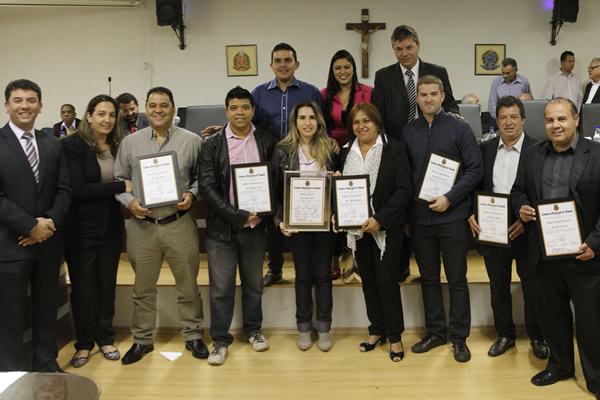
x=147, y=245
x=246, y=249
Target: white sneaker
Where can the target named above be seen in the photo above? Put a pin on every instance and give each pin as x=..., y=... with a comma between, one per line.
x=325, y=342
x=217, y=354
x=304, y=340
x=259, y=343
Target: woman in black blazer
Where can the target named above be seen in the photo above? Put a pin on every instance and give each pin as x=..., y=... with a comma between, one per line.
x=378, y=244
x=94, y=227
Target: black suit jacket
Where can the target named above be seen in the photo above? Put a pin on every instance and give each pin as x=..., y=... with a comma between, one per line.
x=22, y=200
x=588, y=88
x=489, y=150
x=393, y=189
x=391, y=98
x=584, y=187
x=56, y=131
x=94, y=209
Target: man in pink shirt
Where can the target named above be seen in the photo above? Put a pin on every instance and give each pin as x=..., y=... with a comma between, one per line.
x=233, y=236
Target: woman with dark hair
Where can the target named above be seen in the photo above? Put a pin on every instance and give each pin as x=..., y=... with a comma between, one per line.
x=307, y=148
x=94, y=227
x=377, y=245
x=341, y=94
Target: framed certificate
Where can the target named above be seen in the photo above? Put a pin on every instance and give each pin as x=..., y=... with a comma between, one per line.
x=159, y=179
x=559, y=228
x=307, y=201
x=351, y=201
x=493, y=217
x=252, y=187
x=439, y=176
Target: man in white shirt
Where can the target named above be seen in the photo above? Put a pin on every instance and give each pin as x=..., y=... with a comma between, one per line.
x=564, y=83
x=500, y=161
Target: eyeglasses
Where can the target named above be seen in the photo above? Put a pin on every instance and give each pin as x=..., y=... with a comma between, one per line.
x=592, y=67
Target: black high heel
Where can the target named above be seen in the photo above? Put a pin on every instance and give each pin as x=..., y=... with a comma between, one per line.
x=396, y=357
x=366, y=346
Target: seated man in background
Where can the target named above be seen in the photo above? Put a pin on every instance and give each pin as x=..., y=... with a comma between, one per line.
x=487, y=121
x=68, y=124
x=131, y=120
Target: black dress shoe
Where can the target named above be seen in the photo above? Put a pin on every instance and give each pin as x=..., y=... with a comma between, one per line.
x=404, y=275
x=198, y=348
x=428, y=343
x=461, y=352
x=546, y=378
x=540, y=350
x=271, y=278
x=366, y=346
x=136, y=352
x=500, y=346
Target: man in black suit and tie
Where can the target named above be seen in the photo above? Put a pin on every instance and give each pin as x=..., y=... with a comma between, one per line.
x=394, y=92
x=565, y=166
x=69, y=121
x=34, y=198
x=395, y=96
x=500, y=161
x=592, y=92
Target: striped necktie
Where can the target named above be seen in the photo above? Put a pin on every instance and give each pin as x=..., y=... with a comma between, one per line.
x=32, y=155
x=412, y=95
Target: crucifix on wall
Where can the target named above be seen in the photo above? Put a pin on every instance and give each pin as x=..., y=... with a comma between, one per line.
x=365, y=28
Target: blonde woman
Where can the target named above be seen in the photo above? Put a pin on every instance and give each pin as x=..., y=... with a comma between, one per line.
x=307, y=148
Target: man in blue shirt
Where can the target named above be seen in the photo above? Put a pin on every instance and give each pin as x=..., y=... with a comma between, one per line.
x=275, y=99
x=274, y=103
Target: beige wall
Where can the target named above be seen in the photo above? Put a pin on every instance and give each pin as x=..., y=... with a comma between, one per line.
x=70, y=52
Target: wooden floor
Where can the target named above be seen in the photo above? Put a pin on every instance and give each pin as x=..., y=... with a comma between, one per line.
x=284, y=372
x=476, y=273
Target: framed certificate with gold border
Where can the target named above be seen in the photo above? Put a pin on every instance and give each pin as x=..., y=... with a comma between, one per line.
x=307, y=201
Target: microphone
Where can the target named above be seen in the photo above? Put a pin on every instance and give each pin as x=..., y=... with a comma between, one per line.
x=109, y=86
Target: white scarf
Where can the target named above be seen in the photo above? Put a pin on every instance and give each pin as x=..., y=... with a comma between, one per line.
x=355, y=165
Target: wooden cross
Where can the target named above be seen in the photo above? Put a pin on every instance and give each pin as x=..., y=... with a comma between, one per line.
x=365, y=29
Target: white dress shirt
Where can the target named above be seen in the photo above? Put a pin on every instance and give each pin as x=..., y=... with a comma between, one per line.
x=505, y=166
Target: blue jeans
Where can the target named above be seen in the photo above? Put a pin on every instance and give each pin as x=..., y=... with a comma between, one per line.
x=312, y=253
x=246, y=249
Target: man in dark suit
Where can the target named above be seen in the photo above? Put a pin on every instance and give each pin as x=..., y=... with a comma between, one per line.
x=592, y=89
x=500, y=161
x=565, y=166
x=34, y=198
x=131, y=120
x=69, y=121
x=393, y=83
x=394, y=95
